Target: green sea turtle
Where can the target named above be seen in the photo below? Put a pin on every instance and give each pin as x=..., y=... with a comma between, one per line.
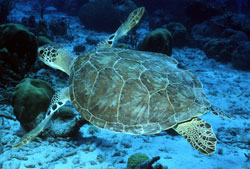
x=129, y=91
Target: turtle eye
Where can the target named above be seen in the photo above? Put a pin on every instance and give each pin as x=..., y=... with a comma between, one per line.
x=111, y=37
x=41, y=52
x=110, y=42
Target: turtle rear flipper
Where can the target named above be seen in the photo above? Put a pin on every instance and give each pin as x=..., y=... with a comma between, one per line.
x=218, y=112
x=199, y=134
x=57, y=101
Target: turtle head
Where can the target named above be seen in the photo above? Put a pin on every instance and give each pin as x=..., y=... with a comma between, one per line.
x=56, y=57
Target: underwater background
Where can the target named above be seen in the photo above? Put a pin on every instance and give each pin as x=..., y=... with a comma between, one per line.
x=209, y=37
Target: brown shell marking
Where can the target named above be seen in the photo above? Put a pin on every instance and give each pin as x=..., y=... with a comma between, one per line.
x=134, y=92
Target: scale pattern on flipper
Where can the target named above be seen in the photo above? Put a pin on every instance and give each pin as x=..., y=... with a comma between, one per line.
x=199, y=134
x=218, y=112
x=57, y=101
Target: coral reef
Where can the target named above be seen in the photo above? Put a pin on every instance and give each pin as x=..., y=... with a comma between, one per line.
x=136, y=159
x=18, y=51
x=216, y=26
x=29, y=21
x=69, y=6
x=221, y=35
x=59, y=26
x=223, y=41
x=159, y=40
x=5, y=7
x=97, y=15
x=43, y=40
x=30, y=98
x=179, y=32
x=234, y=35
x=79, y=48
x=220, y=49
x=198, y=11
x=241, y=56
x=30, y=101
x=150, y=164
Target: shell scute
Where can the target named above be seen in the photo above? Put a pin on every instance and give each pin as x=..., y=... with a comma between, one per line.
x=116, y=127
x=101, y=62
x=129, y=68
x=98, y=122
x=134, y=106
x=104, y=99
x=134, y=129
x=160, y=66
x=83, y=82
x=86, y=114
x=159, y=102
x=152, y=128
x=154, y=81
x=81, y=61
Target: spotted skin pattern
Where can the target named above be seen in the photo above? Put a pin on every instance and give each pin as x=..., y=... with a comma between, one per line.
x=48, y=53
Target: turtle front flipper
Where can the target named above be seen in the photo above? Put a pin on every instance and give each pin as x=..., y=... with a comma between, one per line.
x=57, y=101
x=132, y=20
x=199, y=134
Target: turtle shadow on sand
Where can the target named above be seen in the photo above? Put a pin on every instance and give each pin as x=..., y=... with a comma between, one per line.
x=102, y=143
x=79, y=139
